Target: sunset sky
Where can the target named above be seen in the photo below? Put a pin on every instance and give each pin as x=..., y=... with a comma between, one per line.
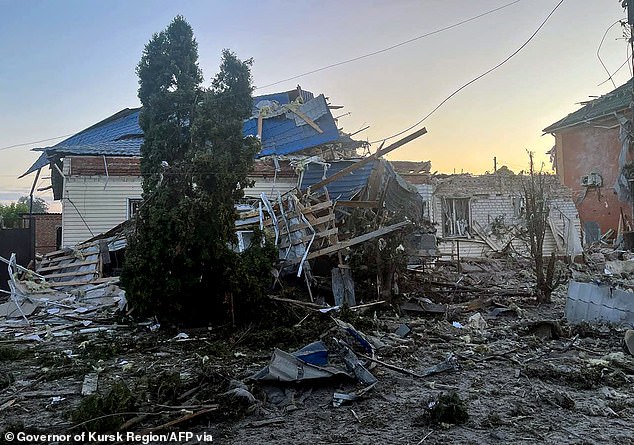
x=68, y=64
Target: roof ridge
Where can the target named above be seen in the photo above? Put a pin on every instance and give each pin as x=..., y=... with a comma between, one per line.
x=118, y=115
x=597, y=108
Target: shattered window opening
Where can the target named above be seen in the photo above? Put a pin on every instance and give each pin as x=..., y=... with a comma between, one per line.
x=519, y=205
x=456, y=217
x=133, y=206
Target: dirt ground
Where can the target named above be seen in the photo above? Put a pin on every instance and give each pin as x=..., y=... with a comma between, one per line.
x=525, y=377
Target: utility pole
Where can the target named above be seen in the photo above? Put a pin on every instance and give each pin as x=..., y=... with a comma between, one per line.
x=629, y=4
x=495, y=164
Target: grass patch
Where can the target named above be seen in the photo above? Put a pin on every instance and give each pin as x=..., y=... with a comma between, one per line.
x=101, y=413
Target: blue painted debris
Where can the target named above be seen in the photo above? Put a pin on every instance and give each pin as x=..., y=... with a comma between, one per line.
x=314, y=353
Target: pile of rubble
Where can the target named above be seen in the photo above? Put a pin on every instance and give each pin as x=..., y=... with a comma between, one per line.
x=466, y=358
x=72, y=290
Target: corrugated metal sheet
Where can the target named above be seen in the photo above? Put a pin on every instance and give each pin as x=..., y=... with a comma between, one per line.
x=124, y=124
x=101, y=208
x=342, y=189
x=41, y=162
x=270, y=187
x=281, y=134
x=591, y=302
x=401, y=197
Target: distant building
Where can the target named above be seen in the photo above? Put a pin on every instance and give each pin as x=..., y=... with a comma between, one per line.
x=592, y=156
x=483, y=215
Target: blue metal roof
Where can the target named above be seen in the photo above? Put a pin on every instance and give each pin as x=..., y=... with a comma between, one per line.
x=285, y=133
x=281, y=135
x=343, y=189
x=121, y=127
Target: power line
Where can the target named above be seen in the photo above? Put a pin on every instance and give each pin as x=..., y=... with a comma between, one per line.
x=374, y=53
x=610, y=78
x=599, y=51
x=389, y=48
x=475, y=79
x=35, y=142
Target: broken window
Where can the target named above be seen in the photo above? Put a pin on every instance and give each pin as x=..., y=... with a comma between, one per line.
x=456, y=216
x=133, y=206
x=519, y=205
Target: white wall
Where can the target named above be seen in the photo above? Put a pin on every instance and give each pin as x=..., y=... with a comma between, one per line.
x=270, y=187
x=426, y=191
x=486, y=207
x=92, y=205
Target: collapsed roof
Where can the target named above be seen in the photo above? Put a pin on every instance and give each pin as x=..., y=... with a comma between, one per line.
x=286, y=123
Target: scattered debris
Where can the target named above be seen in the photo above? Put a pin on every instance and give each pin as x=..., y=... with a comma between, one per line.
x=403, y=330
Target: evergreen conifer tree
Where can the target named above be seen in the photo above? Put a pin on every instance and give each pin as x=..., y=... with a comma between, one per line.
x=195, y=160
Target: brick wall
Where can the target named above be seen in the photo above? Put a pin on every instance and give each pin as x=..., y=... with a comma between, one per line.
x=46, y=225
x=582, y=150
x=97, y=166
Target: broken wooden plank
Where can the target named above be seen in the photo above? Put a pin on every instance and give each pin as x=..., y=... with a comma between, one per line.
x=306, y=119
x=297, y=302
x=486, y=238
x=362, y=162
x=313, y=222
x=307, y=238
x=358, y=204
x=66, y=266
x=265, y=422
x=89, y=386
x=81, y=256
x=71, y=274
x=316, y=207
x=180, y=420
x=112, y=280
x=57, y=392
x=351, y=242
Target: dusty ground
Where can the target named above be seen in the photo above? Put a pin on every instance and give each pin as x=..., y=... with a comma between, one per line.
x=521, y=380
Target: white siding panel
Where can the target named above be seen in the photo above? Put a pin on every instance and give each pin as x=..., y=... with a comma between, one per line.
x=95, y=204
x=468, y=249
x=426, y=191
x=270, y=187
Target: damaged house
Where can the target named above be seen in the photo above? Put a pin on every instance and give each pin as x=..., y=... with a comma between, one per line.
x=592, y=156
x=481, y=215
x=96, y=173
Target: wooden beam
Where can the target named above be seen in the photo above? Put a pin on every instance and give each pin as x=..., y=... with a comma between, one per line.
x=72, y=274
x=362, y=162
x=304, y=239
x=316, y=207
x=358, y=204
x=351, y=242
x=308, y=120
x=260, y=125
x=66, y=266
x=113, y=280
